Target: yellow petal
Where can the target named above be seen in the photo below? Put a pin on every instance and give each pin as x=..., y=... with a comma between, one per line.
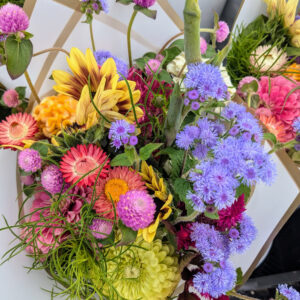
x=93, y=69
x=290, y=12
x=78, y=66
x=108, y=68
x=296, y=41
x=83, y=105
x=295, y=28
x=61, y=77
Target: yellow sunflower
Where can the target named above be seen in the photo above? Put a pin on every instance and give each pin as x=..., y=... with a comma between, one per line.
x=157, y=185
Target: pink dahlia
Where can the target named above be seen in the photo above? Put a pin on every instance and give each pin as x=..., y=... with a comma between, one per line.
x=119, y=181
x=246, y=80
x=222, y=32
x=11, y=98
x=152, y=66
x=85, y=161
x=16, y=128
x=144, y=3
x=13, y=19
x=203, y=45
x=136, y=209
x=52, y=179
x=230, y=216
x=30, y=160
x=101, y=229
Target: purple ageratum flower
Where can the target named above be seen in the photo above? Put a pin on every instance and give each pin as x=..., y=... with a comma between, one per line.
x=101, y=228
x=186, y=101
x=208, y=267
x=234, y=233
x=247, y=234
x=104, y=5
x=234, y=131
x=233, y=110
x=195, y=105
x=212, y=245
x=197, y=202
x=296, y=125
x=133, y=140
x=144, y=3
x=30, y=160
x=101, y=56
x=95, y=6
x=119, y=129
x=207, y=79
x=13, y=19
x=200, y=151
x=297, y=147
x=222, y=32
x=52, y=179
x=186, y=137
x=216, y=283
x=152, y=66
x=203, y=45
x=288, y=292
x=193, y=94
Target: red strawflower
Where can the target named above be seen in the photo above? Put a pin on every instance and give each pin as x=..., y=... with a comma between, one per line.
x=183, y=237
x=230, y=216
x=16, y=128
x=82, y=159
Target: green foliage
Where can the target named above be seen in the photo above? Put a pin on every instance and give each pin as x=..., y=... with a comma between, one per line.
x=243, y=189
x=18, y=2
x=146, y=11
x=181, y=188
x=146, y=151
x=121, y=160
x=213, y=216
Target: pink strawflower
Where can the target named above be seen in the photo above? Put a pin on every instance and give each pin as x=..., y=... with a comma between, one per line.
x=246, y=80
x=136, y=209
x=27, y=180
x=152, y=66
x=30, y=160
x=222, y=32
x=11, y=98
x=52, y=179
x=203, y=45
x=101, y=228
x=13, y=19
x=230, y=216
x=144, y=3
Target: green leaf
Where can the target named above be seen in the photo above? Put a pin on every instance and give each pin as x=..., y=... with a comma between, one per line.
x=146, y=151
x=171, y=53
x=70, y=140
x=210, y=52
x=130, y=152
x=218, y=59
x=128, y=235
x=250, y=87
x=165, y=76
x=243, y=189
x=271, y=137
x=181, y=188
x=121, y=160
x=146, y=11
x=171, y=239
x=124, y=2
x=141, y=62
x=28, y=35
x=110, y=240
x=149, y=55
x=41, y=147
x=296, y=156
x=292, y=51
x=178, y=44
x=29, y=190
x=18, y=56
x=213, y=216
x=239, y=276
x=21, y=91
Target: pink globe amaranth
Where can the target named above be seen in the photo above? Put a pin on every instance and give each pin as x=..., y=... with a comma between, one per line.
x=101, y=229
x=203, y=45
x=144, y=3
x=222, y=32
x=152, y=66
x=30, y=160
x=11, y=98
x=246, y=80
x=27, y=180
x=136, y=209
x=13, y=19
x=52, y=179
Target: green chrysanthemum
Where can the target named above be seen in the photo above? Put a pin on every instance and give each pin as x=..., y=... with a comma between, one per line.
x=146, y=271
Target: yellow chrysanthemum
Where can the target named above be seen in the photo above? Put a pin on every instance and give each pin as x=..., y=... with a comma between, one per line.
x=157, y=185
x=55, y=113
x=144, y=271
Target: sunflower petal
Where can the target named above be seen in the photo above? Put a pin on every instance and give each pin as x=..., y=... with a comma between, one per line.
x=83, y=105
x=109, y=68
x=93, y=69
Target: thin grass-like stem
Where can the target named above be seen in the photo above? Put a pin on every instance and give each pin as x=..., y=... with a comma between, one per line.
x=129, y=37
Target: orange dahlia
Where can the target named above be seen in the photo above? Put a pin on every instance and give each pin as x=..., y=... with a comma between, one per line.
x=16, y=128
x=85, y=161
x=55, y=113
x=120, y=180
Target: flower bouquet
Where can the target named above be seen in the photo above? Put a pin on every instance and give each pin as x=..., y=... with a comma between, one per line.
x=137, y=177
x=266, y=74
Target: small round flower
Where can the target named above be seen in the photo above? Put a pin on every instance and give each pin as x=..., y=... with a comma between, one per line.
x=30, y=160
x=144, y=3
x=297, y=147
x=95, y=6
x=234, y=131
x=234, y=233
x=13, y=19
x=136, y=209
x=52, y=179
x=133, y=140
x=296, y=124
x=104, y=5
x=119, y=129
x=203, y=45
x=193, y=94
x=152, y=66
x=208, y=267
x=101, y=228
x=195, y=105
x=27, y=180
x=11, y=98
x=131, y=128
x=222, y=32
x=186, y=101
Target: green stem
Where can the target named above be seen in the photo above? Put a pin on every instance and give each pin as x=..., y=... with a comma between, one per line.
x=192, y=17
x=92, y=36
x=249, y=100
x=209, y=30
x=189, y=218
x=129, y=37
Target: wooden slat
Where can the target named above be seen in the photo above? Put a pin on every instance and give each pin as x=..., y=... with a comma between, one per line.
x=29, y=7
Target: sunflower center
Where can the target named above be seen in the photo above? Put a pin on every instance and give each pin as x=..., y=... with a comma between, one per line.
x=131, y=272
x=114, y=188
x=85, y=165
x=17, y=130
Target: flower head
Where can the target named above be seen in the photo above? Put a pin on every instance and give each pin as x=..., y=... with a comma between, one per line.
x=203, y=45
x=152, y=66
x=144, y=3
x=288, y=292
x=136, y=209
x=27, y=179
x=11, y=98
x=222, y=31
x=296, y=125
x=30, y=160
x=183, y=237
x=101, y=228
x=16, y=128
x=85, y=161
x=52, y=179
x=120, y=133
x=13, y=19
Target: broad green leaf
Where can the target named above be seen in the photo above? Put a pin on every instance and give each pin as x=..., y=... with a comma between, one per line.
x=110, y=240
x=121, y=160
x=130, y=152
x=21, y=91
x=210, y=52
x=146, y=151
x=18, y=56
x=213, y=216
x=250, y=87
x=41, y=147
x=181, y=188
x=243, y=189
x=178, y=44
x=140, y=62
x=165, y=76
x=293, y=51
x=271, y=137
x=29, y=190
x=146, y=11
x=239, y=276
x=149, y=55
x=128, y=235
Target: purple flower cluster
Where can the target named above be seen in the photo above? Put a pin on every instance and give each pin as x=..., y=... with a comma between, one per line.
x=144, y=3
x=207, y=80
x=102, y=56
x=217, y=282
x=30, y=160
x=52, y=179
x=288, y=292
x=296, y=125
x=122, y=133
x=88, y=6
